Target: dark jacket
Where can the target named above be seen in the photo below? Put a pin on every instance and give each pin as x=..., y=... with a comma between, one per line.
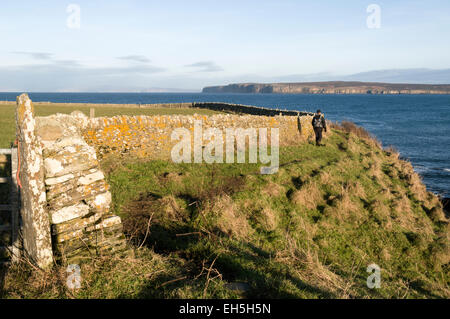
x=319, y=121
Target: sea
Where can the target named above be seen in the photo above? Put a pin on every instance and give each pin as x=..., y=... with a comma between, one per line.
x=418, y=126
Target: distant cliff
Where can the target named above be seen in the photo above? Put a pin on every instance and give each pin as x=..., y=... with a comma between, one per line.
x=336, y=87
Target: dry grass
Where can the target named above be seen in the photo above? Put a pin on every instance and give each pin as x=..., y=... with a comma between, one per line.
x=352, y=128
x=407, y=219
x=342, y=206
x=52, y=282
x=273, y=189
x=268, y=219
x=325, y=178
x=375, y=172
x=437, y=214
x=308, y=267
x=101, y=277
x=407, y=173
x=309, y=195
x=392, y=152
x=226, y=218
x=344, y=165
x=171, y=177
x=171, y=208
x=307, y=229
x=356, y=189
x=402, y=205
x=382, y=213
x=352, y=146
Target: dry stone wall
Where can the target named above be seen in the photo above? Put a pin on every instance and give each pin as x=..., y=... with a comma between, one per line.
x=150, y=136
x=248, y=109
x=78, y=197
x=65, y=198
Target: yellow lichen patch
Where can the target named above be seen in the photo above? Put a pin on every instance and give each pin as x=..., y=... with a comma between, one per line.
x=149, y=136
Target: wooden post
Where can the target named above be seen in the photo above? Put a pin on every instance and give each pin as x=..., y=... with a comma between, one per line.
x=92, y=113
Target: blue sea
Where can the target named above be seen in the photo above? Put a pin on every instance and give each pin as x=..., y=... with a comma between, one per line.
x=417, y=125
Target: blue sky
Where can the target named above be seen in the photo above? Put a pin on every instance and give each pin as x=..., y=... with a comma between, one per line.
x=139, y=45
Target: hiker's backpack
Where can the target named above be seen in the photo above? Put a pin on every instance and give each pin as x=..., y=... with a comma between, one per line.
x=317, y=121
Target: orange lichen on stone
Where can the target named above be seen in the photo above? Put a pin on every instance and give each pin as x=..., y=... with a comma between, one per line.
x=150, y=136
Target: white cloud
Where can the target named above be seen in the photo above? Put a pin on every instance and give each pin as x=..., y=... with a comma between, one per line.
x=36, y=55
x=205, y=66
x=135, y=58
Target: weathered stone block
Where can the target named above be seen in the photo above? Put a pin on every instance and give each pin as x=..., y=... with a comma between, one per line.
x=75, y=249
x=71, y=159
x=62, y=179
x=71, y=184
x=59, y=180
x=51, y=148
x=90, y=178
x=69, y=236
x=49, y=132
x=109, y=221
x=100, y=204
x=75, y=195
x=68, y=242
x=68, y=213
x=75, y=224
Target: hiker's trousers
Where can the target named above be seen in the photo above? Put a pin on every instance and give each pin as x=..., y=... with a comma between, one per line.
x=318, y=132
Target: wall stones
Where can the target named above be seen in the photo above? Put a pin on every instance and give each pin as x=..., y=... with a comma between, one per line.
x=68, y=213
x=78, y=197
x=150, y=136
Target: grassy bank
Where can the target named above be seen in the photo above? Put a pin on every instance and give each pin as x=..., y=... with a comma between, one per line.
x=7, y=110
x=225, y=231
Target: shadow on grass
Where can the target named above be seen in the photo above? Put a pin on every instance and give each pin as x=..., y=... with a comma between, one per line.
x=242, y=262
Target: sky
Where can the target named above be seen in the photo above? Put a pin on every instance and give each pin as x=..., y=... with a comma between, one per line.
x=113, y=45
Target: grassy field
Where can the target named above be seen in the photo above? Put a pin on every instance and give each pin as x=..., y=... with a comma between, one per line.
x=7, y=111
x=225, y=231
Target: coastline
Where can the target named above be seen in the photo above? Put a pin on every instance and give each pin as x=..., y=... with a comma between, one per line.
x=332, y=87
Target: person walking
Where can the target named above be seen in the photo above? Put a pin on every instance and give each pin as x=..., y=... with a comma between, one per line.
x=319, y=125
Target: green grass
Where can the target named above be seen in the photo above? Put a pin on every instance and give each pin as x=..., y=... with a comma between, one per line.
x=7, y=119
x=309, y=231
